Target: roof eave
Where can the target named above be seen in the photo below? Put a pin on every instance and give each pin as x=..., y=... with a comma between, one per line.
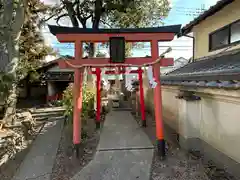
x=75, y=30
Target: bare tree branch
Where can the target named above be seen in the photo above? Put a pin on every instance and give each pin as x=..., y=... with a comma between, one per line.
x=59, y=18
x=71, y=12
x=105, y=23
x=58, y=10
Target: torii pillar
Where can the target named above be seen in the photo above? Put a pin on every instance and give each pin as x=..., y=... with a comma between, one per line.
x=158, y=101
x=77, y=96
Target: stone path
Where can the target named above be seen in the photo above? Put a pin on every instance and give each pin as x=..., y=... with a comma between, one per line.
x=124, y=151
x=39, y=161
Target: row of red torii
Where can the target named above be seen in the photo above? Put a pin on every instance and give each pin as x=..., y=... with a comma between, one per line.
x=78, y=36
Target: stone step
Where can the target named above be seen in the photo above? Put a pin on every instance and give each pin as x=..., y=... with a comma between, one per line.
x=47, y=110
x=52, y=118
x=41, y=118
x=46, y=114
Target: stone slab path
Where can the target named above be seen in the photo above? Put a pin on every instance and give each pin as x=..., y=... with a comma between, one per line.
x=124, y=151
x=39, y=161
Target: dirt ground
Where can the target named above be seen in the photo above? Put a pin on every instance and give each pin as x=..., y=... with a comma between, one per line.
x=66, y=163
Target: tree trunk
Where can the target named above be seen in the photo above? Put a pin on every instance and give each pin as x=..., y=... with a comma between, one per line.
x=92, y=46
x=11, y=40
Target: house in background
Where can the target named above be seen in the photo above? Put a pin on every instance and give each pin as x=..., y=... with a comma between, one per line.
x=50, y=85
x=201, y=100
x=180, y=62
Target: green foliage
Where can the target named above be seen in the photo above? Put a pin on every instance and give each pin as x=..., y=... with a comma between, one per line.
x=67, y=100
x=5, y=83
x=142, y=14
x=100, y=54
x=118, y=13
x=32, y=48
x=87, y=101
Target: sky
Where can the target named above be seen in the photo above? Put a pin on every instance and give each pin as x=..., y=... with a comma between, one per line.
x=182, y=12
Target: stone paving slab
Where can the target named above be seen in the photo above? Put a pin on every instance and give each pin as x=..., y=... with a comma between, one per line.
x=121, y=131
x=39, y=161
x=124, y=151
x=118, y=165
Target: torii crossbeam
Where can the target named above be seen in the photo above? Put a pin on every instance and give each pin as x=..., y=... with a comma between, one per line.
x=80, y=35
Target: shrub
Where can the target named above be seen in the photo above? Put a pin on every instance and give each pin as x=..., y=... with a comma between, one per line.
x=87, y=101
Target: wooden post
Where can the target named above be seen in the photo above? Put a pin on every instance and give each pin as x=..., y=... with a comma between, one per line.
x=78, y=77
x=142, y=103
x=136, y=103
x=77, y=95
x=98, y=88
x=158, y=102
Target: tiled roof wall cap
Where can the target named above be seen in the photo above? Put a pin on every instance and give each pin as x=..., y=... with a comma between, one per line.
x=218, y=84
x=201, y=83
x=227, y=84
x=237, y=85
x=212, y=84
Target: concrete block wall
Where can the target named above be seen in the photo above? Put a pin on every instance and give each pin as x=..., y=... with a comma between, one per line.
x=210, y=125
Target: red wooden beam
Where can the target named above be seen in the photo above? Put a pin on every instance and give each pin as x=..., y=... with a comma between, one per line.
x=129, y=37
x=119, y=72
x=104, y=62
x=122, y=72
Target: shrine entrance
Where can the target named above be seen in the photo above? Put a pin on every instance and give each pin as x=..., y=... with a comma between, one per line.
x=117, y=60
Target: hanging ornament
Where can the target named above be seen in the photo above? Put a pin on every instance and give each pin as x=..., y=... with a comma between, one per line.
x=128, y=70
x=151, y=79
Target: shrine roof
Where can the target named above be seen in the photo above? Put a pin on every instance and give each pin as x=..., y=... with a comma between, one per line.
x=75, y=30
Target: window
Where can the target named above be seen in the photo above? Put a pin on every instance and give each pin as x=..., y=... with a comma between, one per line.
x=235, y=32
x=219, y=39
x=225, y=36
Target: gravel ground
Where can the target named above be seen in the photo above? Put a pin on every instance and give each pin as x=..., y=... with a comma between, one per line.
x=177, y=165
x=180, y=165
x=66, y=163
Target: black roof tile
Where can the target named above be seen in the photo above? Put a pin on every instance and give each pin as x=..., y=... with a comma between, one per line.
x=218, y=71
x=205, y=84
x=224, y=67
x=74, y=30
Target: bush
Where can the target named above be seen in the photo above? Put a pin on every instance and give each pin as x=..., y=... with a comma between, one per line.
x=87, y=101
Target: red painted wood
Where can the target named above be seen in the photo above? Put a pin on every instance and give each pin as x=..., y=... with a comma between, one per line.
x=129, y=37
x=78, y=78
x=142, y=103
x=157, y=94
x=105, y=61
x=98, y=88
x=78, y=74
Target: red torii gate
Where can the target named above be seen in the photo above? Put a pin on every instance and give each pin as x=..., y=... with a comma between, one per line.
x=121, y=70
x=80, y=35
